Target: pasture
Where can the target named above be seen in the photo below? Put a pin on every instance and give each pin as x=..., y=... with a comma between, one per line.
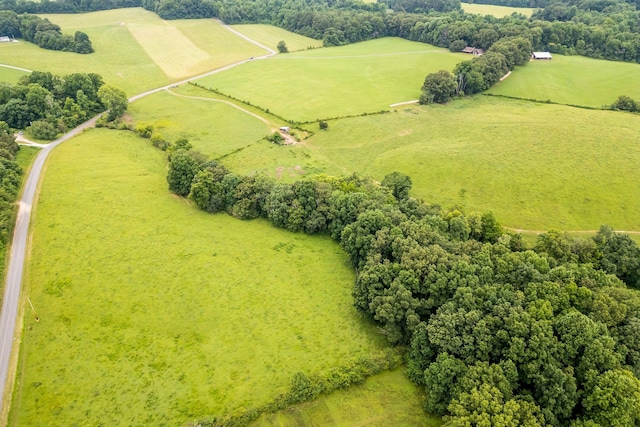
x=536, y=166
x=337, y=81
x=11, y=75
x=387, y=399
x=211, y=125
x=497, y=11
x=574, y=80
x=135, y=50
x=269, y=36
x=155, y=313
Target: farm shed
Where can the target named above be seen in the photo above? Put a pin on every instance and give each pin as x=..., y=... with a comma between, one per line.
x=4, y=39
x=285, y=129
x=540, y=55
x=473, y=50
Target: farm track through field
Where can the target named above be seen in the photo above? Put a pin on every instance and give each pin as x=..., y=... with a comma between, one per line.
x=369, y=55
x=19, y=247
x=16, y=68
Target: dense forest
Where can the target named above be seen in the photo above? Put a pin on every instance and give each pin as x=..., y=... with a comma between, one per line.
x=606, y=29
x=48, y=104
x=498, y=334
x=42, y=32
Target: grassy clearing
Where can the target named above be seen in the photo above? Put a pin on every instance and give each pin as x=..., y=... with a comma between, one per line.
x=269, y=36
x=11, y=75
x=387, y=399
x=329, y=82
x=573, y=80
x=536, y=166
x=136, y=50
x=154, y=313
x=213, y=127
x=497, y=11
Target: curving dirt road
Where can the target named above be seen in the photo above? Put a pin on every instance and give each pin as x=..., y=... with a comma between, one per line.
x=13, y=278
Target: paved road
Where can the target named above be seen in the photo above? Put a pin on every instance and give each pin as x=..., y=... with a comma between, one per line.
x=13, y=279
x=18, y=253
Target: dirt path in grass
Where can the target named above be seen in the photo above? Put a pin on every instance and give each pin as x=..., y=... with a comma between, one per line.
x=16, y=68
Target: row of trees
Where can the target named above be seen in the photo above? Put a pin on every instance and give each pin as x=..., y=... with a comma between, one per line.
x=42, y=32
x=48, y=104
x=626, y=103
x=477, y=74
x=599, y=29
x=498, y=334
x=10, y=179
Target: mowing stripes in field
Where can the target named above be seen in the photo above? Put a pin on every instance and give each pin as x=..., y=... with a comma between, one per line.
x=168, y=48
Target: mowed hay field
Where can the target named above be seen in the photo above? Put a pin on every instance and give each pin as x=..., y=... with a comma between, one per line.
x=155, y=313
x=387, y=399
x=337, y=81
x=536, y=166
x=573, y=80
x=135, y=50
x=270, y=36
x=497, y=11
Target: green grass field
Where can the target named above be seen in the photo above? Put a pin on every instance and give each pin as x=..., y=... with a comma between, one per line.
x=155, y=313
x=387, y=399
x=136, y=50
x=573, y=80
x=537, y=166
x=330, y=82
x=213, y=127
x=11, y=75
x=269, y=36
x=497, y=11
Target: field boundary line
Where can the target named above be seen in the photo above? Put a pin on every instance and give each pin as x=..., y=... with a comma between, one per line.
x=369, y=55
x=523, y=231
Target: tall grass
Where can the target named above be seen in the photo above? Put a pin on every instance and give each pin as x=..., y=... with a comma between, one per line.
x=154, y=313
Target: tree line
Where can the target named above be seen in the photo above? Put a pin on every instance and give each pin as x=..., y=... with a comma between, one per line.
x=604, y=29
x=498, y=334
x=46, y=104
x=10, y=181
x=42, y=32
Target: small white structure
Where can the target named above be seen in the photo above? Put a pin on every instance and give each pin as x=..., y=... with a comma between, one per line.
x=4, y=39
x=541, y=55
x=285, y=129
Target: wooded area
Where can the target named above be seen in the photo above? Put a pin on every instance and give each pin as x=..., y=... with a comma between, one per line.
x=548, y=336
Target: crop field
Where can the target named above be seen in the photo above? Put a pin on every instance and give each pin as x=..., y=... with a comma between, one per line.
x=337, y=81
x=387, y=399
x=154, y=313
x=574, y=80
x=135, y=50
x=269, y=36
x=497, y=11
x=537, y=166
x=11, y=75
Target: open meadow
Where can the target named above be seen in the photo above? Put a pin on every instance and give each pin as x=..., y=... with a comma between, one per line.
x=387, y=399
x=135, y=50
x=573, y=80
x=269, y=36
x=155, y=313
x=211, y=125
x=497, y=11
x=11, y=75
x=337, y=81
x=536, y=166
